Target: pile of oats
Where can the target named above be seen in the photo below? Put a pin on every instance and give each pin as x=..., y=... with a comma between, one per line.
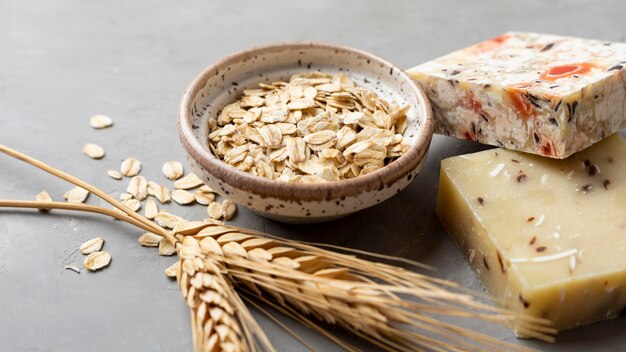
x=315, y=128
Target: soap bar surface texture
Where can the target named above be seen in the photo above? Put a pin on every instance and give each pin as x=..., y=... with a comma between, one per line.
x=542, y=94
x=546, y=237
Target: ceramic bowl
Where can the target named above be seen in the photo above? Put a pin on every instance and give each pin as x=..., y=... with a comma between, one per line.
x=223, y=82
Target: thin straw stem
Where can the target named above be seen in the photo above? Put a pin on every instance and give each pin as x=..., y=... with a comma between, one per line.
x=399, y=281
x=5, y=203
x=71, y=179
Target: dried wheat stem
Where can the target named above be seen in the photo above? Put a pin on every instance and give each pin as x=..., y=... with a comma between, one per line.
x=233, y=329
x=4, y=203
x=357, y=294
x=350, y=314
x=337, y=288
x=401, y=281
x=288, y=283
x=69, y=178
x=360, y=295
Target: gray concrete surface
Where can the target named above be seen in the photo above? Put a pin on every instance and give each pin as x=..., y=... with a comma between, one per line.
x=62, y=61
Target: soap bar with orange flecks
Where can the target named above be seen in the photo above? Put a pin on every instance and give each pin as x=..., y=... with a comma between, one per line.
x=543, y=94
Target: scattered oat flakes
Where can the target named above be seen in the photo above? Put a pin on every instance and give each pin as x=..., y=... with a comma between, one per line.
x=151, y=209
x=172, y=270
x=188, y=182
x=215, y=210
x=160, y=192
x=302, y=130
x=92, y=245
x=172, y=170
x=43, y=196
x=228, y=209
x=116, y=175
x=182, y=197
x=132, y=203
x=93, y=151
x=204, y=198
x=166, y=248
x=130, y=167
x=100, y=121
x=76, y=195
x=149, y=239
x=138, y=187
x=97, y=260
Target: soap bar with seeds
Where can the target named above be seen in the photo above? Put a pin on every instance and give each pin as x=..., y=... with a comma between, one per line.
x=546, y=237
x=538, y=93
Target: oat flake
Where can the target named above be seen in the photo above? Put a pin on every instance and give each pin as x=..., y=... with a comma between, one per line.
x=172, y=170
x=130, y=167
x=100, y=121
x=92, y=245
x=97, y=260
x=93, y=151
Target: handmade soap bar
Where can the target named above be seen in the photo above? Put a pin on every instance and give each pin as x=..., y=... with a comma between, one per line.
x=538, y=93
x=546, y=237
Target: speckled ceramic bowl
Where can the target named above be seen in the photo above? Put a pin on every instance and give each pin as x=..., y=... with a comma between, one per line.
x=223, y=82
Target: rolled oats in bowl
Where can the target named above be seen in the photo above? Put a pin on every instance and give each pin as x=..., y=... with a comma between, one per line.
x=337, y=114
x=317, y=127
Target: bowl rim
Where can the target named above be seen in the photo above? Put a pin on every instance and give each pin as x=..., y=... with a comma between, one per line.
x=265, y=188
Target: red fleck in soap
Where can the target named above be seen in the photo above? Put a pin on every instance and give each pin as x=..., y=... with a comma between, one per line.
x=542, y=94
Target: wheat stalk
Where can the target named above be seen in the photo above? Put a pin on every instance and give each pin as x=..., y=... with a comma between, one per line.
x=358, y=294
x=220, y=320
x=395, y=309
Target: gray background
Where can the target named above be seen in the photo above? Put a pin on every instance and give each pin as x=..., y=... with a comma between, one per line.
x=62, y=61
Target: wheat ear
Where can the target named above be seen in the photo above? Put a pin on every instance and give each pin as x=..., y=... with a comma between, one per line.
x=220, y=320
x=367, y=298
x=358, y=294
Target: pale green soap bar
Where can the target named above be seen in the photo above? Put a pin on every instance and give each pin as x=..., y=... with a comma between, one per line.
x=546, y=237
